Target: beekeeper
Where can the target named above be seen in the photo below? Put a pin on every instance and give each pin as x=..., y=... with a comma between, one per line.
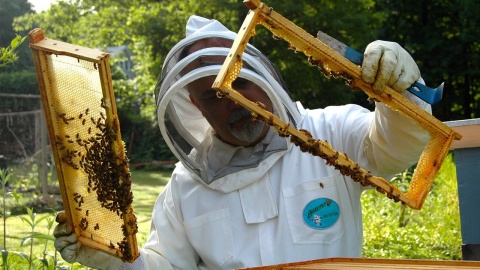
x=242, y=196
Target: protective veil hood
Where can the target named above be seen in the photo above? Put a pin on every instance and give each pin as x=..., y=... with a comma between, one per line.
x=188, y=134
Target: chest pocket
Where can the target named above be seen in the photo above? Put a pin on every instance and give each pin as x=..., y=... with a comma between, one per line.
x=213, y=225
x=314, y=211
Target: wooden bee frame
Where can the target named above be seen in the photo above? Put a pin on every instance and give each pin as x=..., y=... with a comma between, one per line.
x=335, y=65
x=370, y=264
x=94, y=177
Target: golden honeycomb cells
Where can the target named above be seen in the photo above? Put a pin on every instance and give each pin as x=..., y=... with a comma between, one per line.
x=80, y=111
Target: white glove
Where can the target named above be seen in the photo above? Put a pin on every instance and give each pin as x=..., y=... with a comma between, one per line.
x=387, y=63
x=73, y=251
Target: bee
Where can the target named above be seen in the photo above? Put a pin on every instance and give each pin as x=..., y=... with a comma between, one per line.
x=261, y=105
x=115, y=124
x=97, y=227
x=76, y=197
x=111, y=245
x=83, y=121
x=95, y=66
x=80, y=116
x=269, y=121
x=87, y=111
x=321, y=185
x=84, y=223
x=86, y=212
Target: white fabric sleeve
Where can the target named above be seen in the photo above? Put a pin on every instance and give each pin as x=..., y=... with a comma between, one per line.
x=394, y=142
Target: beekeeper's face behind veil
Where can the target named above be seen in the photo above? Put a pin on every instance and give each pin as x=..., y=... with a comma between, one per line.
x=232, y=123
x=210, y=134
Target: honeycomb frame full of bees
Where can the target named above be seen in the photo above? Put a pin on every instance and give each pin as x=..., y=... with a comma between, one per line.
x=84, y=131
x=332, y=64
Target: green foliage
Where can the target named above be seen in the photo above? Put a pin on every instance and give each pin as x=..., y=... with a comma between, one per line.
x=33, y=229
x=442, y=37
x=8, y=55
x=393, y=231
x=12, y=259
x=348, y=21
x=9, y=256
x=4, y=177
x=32, y=220
x=19, y=82
x=8, y=11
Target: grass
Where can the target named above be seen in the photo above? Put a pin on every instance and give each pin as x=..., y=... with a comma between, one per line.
x=146, y=187
x=393, y=231
x=390, y=231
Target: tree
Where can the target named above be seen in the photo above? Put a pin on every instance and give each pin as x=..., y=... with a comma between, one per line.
x=18, y=77
x=442, y=36
x=98, y=24
x=349, y=21
x=151, y=28
x=8, y=11
x=8, y=54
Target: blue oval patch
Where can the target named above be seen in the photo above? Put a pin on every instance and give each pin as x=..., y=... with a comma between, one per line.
x=321, y=213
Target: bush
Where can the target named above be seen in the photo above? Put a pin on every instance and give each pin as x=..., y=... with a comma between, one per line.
x=392, y=230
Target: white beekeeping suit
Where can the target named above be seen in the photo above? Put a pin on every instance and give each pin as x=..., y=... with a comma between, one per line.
x=270, y=203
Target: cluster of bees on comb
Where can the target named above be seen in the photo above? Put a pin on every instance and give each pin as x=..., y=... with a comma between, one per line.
x=107, y=172
x=313, y=146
